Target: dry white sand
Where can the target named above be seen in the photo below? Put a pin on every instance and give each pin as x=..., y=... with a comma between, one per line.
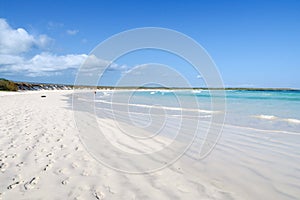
x=41, y=157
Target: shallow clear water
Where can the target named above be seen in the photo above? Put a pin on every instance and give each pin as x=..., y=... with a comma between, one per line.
x=268, y=110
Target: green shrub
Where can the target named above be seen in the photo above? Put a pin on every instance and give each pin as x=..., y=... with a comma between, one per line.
x=7, y=85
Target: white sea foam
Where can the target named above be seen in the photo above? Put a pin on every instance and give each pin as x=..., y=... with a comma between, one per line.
x=269, y=117
x=296, y=121
x=272, y=117
x=196, y=91
x=155, y=106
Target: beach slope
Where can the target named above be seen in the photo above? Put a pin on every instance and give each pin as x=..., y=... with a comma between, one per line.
x=41, y=157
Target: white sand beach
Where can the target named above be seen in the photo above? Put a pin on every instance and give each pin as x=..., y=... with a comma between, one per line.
x=42, y=157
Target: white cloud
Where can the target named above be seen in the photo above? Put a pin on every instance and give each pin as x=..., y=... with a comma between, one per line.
x=94, y=66
x=72, y=32
x=42, y=41
x=9, y=60
x=41, y=64
x=46, y=64
x=16, y=41
x=15, y=45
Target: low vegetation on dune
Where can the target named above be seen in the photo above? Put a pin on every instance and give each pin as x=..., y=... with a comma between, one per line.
x=7, y=85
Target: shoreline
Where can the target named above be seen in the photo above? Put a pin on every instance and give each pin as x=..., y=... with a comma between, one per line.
x=42, y=155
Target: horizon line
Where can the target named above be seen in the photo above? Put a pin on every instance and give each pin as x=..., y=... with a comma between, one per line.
x=139, y=87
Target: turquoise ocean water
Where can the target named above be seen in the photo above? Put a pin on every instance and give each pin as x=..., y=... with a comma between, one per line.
x=267, y=110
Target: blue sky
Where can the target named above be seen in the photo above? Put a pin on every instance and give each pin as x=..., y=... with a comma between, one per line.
x=253, y=43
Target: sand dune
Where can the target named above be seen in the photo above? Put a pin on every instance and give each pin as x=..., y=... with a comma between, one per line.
x=42, y=157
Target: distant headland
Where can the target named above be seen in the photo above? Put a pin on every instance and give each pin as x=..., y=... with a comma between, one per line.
x=8, y=85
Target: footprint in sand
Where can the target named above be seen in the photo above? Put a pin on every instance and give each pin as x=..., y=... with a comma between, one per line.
x=31, y=184
x=12, y=146
x=99, y=195
x=20, y=164
x=13, y=185
x=48, y=155
x=66, y=181
x=47, y=167
x=14, y=155
x=3, y=166
x=74, y=165
x=67, y=155
x=28, y=148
